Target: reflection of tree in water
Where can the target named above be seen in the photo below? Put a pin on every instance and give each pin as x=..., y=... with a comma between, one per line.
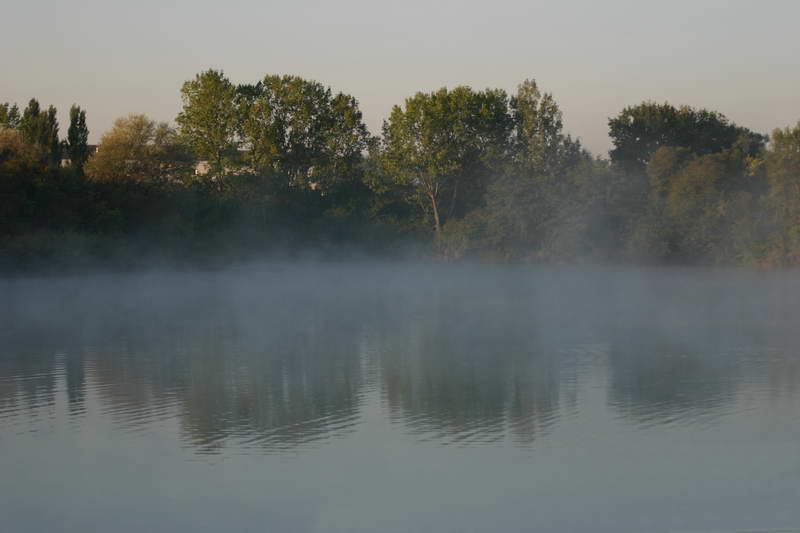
x=773, y=368
x=274, y=367
x=300, y=383
x=271, y=372
x=27, y=374
x=466, y=371
x=783, y=373
x=678, y=337
x=663, y=376
x=285, y=380
x=32, y=363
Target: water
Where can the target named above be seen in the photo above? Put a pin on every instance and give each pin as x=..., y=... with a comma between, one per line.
x=357, y=398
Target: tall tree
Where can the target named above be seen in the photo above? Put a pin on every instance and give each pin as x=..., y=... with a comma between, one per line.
x=537, y=196
x=9, y=116
x=209, y=118
x=783, y=173
x=41, y=128
x=300, y=128
x=540, y=146
x=77, y=144
x=441, y=146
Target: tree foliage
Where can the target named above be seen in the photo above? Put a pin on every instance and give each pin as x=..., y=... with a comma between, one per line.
x=783, y=174
x=41, y=128
x=9, y=116
x=442, y=145
x=209, y=118
x=77, y=143
x=300, y=129
x=638, y=131
x=461, y=173
x=139, y=149
x=532, y=202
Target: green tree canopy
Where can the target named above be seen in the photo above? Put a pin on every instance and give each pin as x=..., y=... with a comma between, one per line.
x=638, y=131
x=703, y=206
x=540, y=146
x=77, y=143
x=300, y=129
x=783, y=174
x=41, y=128
x=9, y=116
x=441, y=146
x=538, y=194
x=139, y=149
x=209, y=119
x=18, y=156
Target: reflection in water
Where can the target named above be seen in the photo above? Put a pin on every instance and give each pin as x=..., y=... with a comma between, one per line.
x=466, y=371
x=284, y=362
x=660, y=381
x=353, y=398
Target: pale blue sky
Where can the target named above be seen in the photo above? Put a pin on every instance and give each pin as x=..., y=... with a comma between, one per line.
x=114, y=58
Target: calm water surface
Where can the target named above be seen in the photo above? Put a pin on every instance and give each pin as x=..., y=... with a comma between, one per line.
x=361, y=398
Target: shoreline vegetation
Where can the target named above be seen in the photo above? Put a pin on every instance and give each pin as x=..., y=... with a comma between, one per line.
x=287, y=167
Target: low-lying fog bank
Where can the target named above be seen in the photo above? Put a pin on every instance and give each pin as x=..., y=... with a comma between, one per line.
x=257, y=293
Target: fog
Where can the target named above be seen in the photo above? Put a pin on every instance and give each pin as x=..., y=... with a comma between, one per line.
x=275, y=345
x=307, y=360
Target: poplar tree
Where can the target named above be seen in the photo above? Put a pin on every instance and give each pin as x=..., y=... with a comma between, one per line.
x=9, y=116
x=77, y=144
x=41, y=128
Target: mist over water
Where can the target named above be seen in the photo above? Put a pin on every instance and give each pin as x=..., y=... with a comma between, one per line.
x=373, y=397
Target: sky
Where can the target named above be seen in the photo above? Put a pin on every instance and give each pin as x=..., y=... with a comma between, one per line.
x=596, y=57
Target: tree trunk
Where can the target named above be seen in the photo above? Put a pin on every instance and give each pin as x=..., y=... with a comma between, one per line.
x=453, y=201
x=437, y=226
x=220, y=171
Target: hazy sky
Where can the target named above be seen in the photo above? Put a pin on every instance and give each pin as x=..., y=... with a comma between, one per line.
x=114, y=58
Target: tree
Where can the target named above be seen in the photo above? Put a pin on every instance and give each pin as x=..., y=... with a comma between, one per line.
x=665, y=163
x=300, y=129
x=19, y=162
x=638, y=131
x=77, y=146
x=540, y=147
x=442, y=145
x=783, y=175
x=17, y=156
x=703, y=207
x=542, y=195
x=9, y=116
x=139, y=149
x=209, y=118
x=41, y=128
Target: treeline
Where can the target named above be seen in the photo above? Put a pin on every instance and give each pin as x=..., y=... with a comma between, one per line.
x=287, y=164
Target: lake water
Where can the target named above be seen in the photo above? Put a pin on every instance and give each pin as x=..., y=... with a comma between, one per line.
x=373, y=398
